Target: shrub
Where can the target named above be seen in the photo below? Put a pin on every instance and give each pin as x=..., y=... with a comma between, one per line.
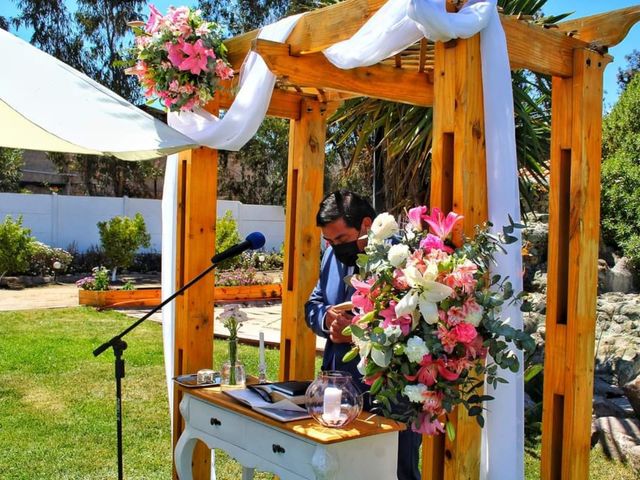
x=85, y=261
x=98, y=281
x=120, y=238
x=16, y=244
x=227, y=236
x=621, y=204
x=261, y=261
x=43, y=258
x=146, y=262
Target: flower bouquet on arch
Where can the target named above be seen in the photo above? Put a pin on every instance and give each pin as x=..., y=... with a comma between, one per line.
x=427, y=314
x=179, y=58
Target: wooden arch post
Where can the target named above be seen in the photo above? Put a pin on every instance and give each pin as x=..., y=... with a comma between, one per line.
x=458, y=183
x=302, y=238
x=574, y=217
x=196, y=240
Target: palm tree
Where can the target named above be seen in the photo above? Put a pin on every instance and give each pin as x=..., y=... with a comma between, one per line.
x=403, y=132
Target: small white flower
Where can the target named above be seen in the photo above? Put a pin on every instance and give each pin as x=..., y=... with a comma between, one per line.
x=261, y=258
x=415, y=393
x=415, y=349
x=398, y=254
x=383, y=227
x=475, y=318
x=392, y=332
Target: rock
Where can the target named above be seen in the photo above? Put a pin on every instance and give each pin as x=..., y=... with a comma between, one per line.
x=619, y=278
x=602, y=386
x=12, y=283
x=627, y=368
x=620, y=438
x=632, y=391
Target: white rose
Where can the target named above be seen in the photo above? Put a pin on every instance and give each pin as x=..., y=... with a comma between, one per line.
x=475, y=318
x=415, y=393
x=415, y=349
x=383, y=227
x=398, y=254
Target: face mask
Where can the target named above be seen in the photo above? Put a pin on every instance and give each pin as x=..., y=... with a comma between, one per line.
x=347, y=253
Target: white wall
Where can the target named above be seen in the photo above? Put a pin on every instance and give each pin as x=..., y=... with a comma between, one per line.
x=59, y=220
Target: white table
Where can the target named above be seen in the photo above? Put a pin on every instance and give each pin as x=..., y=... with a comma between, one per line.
x=366, y=449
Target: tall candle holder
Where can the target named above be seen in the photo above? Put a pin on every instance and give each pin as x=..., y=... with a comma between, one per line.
x=333, y=400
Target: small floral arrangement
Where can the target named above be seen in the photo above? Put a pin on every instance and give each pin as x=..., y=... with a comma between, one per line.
x=427, y=313
x=232, y=318
x=98, y=281
x=240, y=277
x=179, y=58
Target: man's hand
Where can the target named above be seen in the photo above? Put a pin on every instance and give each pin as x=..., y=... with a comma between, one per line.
x=336, y=321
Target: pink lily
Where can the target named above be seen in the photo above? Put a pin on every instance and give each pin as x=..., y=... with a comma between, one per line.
x=390, y=318
x=441, y=225
x=197, y=55
x=431, y=242
x=415, y=217
x=175, y=52
x=155, y=19
x=427, y=426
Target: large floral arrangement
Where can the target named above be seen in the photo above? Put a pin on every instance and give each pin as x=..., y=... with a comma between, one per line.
x=179, y=58
x=427, y=313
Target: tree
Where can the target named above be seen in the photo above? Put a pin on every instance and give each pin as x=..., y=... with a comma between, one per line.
x=11, y=163
x=120, y=238
x=54, y=31
x=257, y=174
x=626, y=74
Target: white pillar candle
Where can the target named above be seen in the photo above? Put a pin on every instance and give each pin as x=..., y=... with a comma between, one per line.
x=331, y=403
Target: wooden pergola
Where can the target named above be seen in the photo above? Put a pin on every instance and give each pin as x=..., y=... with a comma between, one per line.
x=446, y=76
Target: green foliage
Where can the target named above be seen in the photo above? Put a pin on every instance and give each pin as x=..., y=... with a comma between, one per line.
x=626, y=74
x=16, y=244
x=262, y=261
x=129, y=285
x=621, y=173
x=621, y=204
x=98, y=281
x=11, y=163
x=227, y=236
x=44, y=259
x=121, y=237
x=257, y=174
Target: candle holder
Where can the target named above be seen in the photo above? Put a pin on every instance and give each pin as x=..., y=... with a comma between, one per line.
x=333, y=400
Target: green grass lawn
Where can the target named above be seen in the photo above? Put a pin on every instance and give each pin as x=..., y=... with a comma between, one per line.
x=57, y=413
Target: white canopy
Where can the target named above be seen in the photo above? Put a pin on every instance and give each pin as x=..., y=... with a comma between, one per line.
x=47, y=105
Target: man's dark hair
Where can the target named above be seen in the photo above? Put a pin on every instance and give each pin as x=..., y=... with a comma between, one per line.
x=346, y=205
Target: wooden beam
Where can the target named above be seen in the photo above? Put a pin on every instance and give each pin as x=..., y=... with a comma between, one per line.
x=379, y=81
x=574, y=218
x=196, y=238
x=283, y=104
x=315, y=31
x=302, y=238
x=605, y=29
x=530, y=46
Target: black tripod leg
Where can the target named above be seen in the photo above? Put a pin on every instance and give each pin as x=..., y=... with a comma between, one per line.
x=118, y=348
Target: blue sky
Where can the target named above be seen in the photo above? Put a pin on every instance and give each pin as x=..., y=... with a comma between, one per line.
x=581, y=8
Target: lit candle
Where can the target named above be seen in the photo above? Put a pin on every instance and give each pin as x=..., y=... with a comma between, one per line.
x=262, y=366
x=331, y=403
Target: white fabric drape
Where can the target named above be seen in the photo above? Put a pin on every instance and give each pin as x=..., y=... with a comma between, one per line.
x=396, y=26
x=47, y=105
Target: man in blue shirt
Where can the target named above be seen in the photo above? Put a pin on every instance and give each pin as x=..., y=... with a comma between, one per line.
x=345, y=218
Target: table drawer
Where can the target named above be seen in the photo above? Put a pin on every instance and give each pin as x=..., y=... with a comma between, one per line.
x=280, y=448
x=217, y=421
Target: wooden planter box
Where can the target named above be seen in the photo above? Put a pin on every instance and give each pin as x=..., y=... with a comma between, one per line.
x=141, y=297
x=150, y=297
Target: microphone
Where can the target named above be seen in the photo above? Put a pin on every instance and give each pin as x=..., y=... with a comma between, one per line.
x=253, y=241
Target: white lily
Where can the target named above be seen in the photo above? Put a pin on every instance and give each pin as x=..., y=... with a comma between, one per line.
x=425, y=293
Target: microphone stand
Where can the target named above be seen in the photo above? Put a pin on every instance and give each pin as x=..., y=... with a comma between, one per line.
x=119, y=346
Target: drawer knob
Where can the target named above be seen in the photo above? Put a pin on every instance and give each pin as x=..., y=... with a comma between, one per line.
x=277, y=448
x=215, y=422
